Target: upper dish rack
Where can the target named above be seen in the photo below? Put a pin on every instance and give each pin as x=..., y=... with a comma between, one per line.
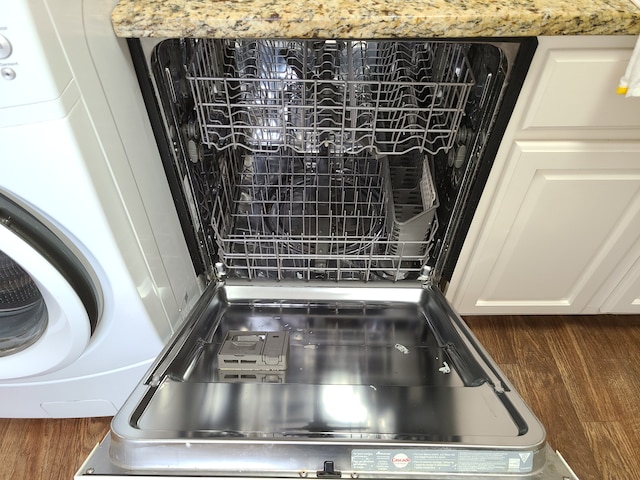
x=330, y=97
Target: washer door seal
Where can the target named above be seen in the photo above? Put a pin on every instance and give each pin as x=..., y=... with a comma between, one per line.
x=71, y=298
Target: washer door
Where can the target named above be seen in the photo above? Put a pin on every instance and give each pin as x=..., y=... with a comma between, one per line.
x=48, y=305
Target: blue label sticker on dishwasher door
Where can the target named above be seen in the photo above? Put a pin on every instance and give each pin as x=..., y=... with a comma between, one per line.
x=441, y=460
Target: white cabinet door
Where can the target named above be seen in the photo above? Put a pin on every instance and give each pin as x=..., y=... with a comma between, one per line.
x=565, y=216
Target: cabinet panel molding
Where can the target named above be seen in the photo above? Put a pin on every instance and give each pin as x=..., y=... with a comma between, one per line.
x=625, y=297
x=577, y=89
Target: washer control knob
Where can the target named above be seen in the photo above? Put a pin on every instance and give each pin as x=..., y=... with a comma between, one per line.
x=8, y=73
x=5, y=47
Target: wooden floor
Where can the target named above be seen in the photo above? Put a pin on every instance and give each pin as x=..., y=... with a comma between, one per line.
x=580, y=375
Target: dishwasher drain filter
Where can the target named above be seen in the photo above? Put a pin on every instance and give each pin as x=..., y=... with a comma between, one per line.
x=250, y=351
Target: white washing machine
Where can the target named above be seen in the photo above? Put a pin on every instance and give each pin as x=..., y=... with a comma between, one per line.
x=94, y=270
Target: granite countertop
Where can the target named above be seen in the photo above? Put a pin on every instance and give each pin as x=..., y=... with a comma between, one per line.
x=373, y=18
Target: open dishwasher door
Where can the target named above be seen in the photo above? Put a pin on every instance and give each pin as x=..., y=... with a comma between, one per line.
x=317, y=381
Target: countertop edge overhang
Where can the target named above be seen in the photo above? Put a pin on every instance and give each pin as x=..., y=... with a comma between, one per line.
x=361, y=19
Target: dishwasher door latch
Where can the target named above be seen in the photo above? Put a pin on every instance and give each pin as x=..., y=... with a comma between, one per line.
x=329, y=471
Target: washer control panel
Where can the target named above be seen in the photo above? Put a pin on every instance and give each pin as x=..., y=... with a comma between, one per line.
x=33, y=66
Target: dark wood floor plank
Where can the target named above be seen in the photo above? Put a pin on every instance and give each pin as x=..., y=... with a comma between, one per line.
x=51, y=449
x=590, y=376
x=606, y=336
x=605, y=370
x=629, y=393
x=614, y=450
x=497, y=334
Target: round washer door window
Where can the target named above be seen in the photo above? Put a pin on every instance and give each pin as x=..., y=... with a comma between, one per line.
x=44, y=325
x=23, y=311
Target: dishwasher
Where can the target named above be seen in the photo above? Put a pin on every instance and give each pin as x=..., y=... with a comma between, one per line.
x=325, y=188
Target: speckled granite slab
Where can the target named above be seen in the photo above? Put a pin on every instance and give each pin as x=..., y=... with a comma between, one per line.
x=373, y=18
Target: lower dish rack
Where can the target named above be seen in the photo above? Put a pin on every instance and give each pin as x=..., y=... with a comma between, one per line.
x=313, y=216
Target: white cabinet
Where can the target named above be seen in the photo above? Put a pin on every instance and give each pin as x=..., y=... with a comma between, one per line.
x=558, y=227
